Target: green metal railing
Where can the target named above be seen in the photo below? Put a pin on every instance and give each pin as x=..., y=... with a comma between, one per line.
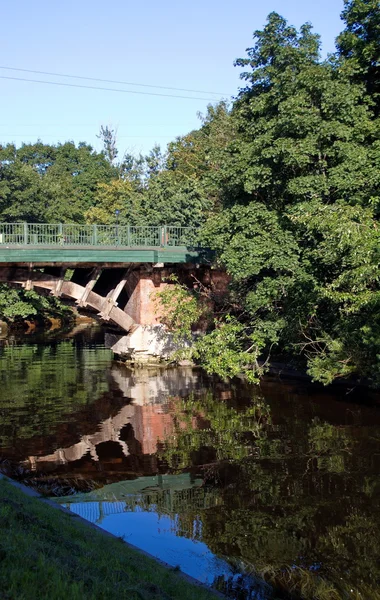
x=61, y=234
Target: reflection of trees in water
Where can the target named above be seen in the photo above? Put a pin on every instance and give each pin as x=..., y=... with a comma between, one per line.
x=210, y=430
x=41, y=386
x=298, y=501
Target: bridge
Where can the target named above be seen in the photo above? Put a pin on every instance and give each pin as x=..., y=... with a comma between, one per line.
x=46, y=243
x=114, y=270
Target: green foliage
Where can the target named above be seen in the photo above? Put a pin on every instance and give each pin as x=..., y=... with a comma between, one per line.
x=40, y=183
x=250, y=241
x=302, y=135
x=359, y=44
x=341, y=249
x=112, y=196
x=226, y=351
x=179, y=308
x=177, y=203
x=13, y=304
x=299, y=190
x=17, y=304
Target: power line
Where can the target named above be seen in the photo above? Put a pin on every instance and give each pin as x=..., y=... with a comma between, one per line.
x=56, y=135
x=161, y=87
x=117, y=125
x=92, y=87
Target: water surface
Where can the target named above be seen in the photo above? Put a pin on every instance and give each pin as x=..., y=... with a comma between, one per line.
x=233, y=483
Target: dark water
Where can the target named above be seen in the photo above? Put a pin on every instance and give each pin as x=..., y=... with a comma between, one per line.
x=236, y=484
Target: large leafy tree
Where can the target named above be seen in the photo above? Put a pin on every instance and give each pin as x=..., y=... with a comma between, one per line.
x=302, y=126
x=299, y=186
x=175, y=203
x=21, y=197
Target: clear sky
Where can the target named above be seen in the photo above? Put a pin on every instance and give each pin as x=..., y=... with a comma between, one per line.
x=190, y=45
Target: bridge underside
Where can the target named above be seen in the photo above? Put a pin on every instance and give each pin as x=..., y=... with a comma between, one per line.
x=121, y=293
x=114, y=270
x=116, y=281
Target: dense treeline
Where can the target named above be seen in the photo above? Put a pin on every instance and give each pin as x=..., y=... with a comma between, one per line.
x=66, y=183
x=285, y=182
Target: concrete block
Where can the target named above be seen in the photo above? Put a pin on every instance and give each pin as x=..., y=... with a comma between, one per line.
x=145, y=343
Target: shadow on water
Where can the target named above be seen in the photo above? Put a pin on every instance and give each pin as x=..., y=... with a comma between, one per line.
x=263, y=492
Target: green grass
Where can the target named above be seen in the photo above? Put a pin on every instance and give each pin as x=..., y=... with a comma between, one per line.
x=46, y=554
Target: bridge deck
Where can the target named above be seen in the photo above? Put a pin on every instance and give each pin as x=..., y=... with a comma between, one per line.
x=43, y=243
x=41, y=255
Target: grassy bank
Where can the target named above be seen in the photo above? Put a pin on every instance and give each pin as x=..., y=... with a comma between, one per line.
x=47, y=554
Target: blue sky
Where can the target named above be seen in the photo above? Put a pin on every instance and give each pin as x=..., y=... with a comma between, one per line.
x=188, y=45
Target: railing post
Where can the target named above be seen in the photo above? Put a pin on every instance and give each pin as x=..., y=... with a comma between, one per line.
x=128, y=235
x=165, y=235
x=60, y=239
x=94, y=235
x=25, y=234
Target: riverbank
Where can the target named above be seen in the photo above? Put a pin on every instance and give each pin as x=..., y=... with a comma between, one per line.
x=48, y=554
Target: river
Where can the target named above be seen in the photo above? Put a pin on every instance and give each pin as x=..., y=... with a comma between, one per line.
x=269, y=491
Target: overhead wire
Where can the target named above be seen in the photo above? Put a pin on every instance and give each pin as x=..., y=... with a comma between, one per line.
x=92, y=87
x=95, y=124
x=55, y=135
x=101, y=88
x=161, y=87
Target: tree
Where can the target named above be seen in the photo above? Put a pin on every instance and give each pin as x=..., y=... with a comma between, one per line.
x=118, y=195
x=108, y=137
x=359, y=44
x=41, y=183
x=300, y=186
x=168, y=201
x=21, y=196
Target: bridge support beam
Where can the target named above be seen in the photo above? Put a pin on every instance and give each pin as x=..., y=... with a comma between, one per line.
x=68, y=289
x=148, y=341
x=89, y=286
x=28, y=285
x=58, y=288
x=112, y=297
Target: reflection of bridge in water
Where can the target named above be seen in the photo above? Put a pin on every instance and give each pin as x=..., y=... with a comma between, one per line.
x=145, y=418
x=163, y=494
